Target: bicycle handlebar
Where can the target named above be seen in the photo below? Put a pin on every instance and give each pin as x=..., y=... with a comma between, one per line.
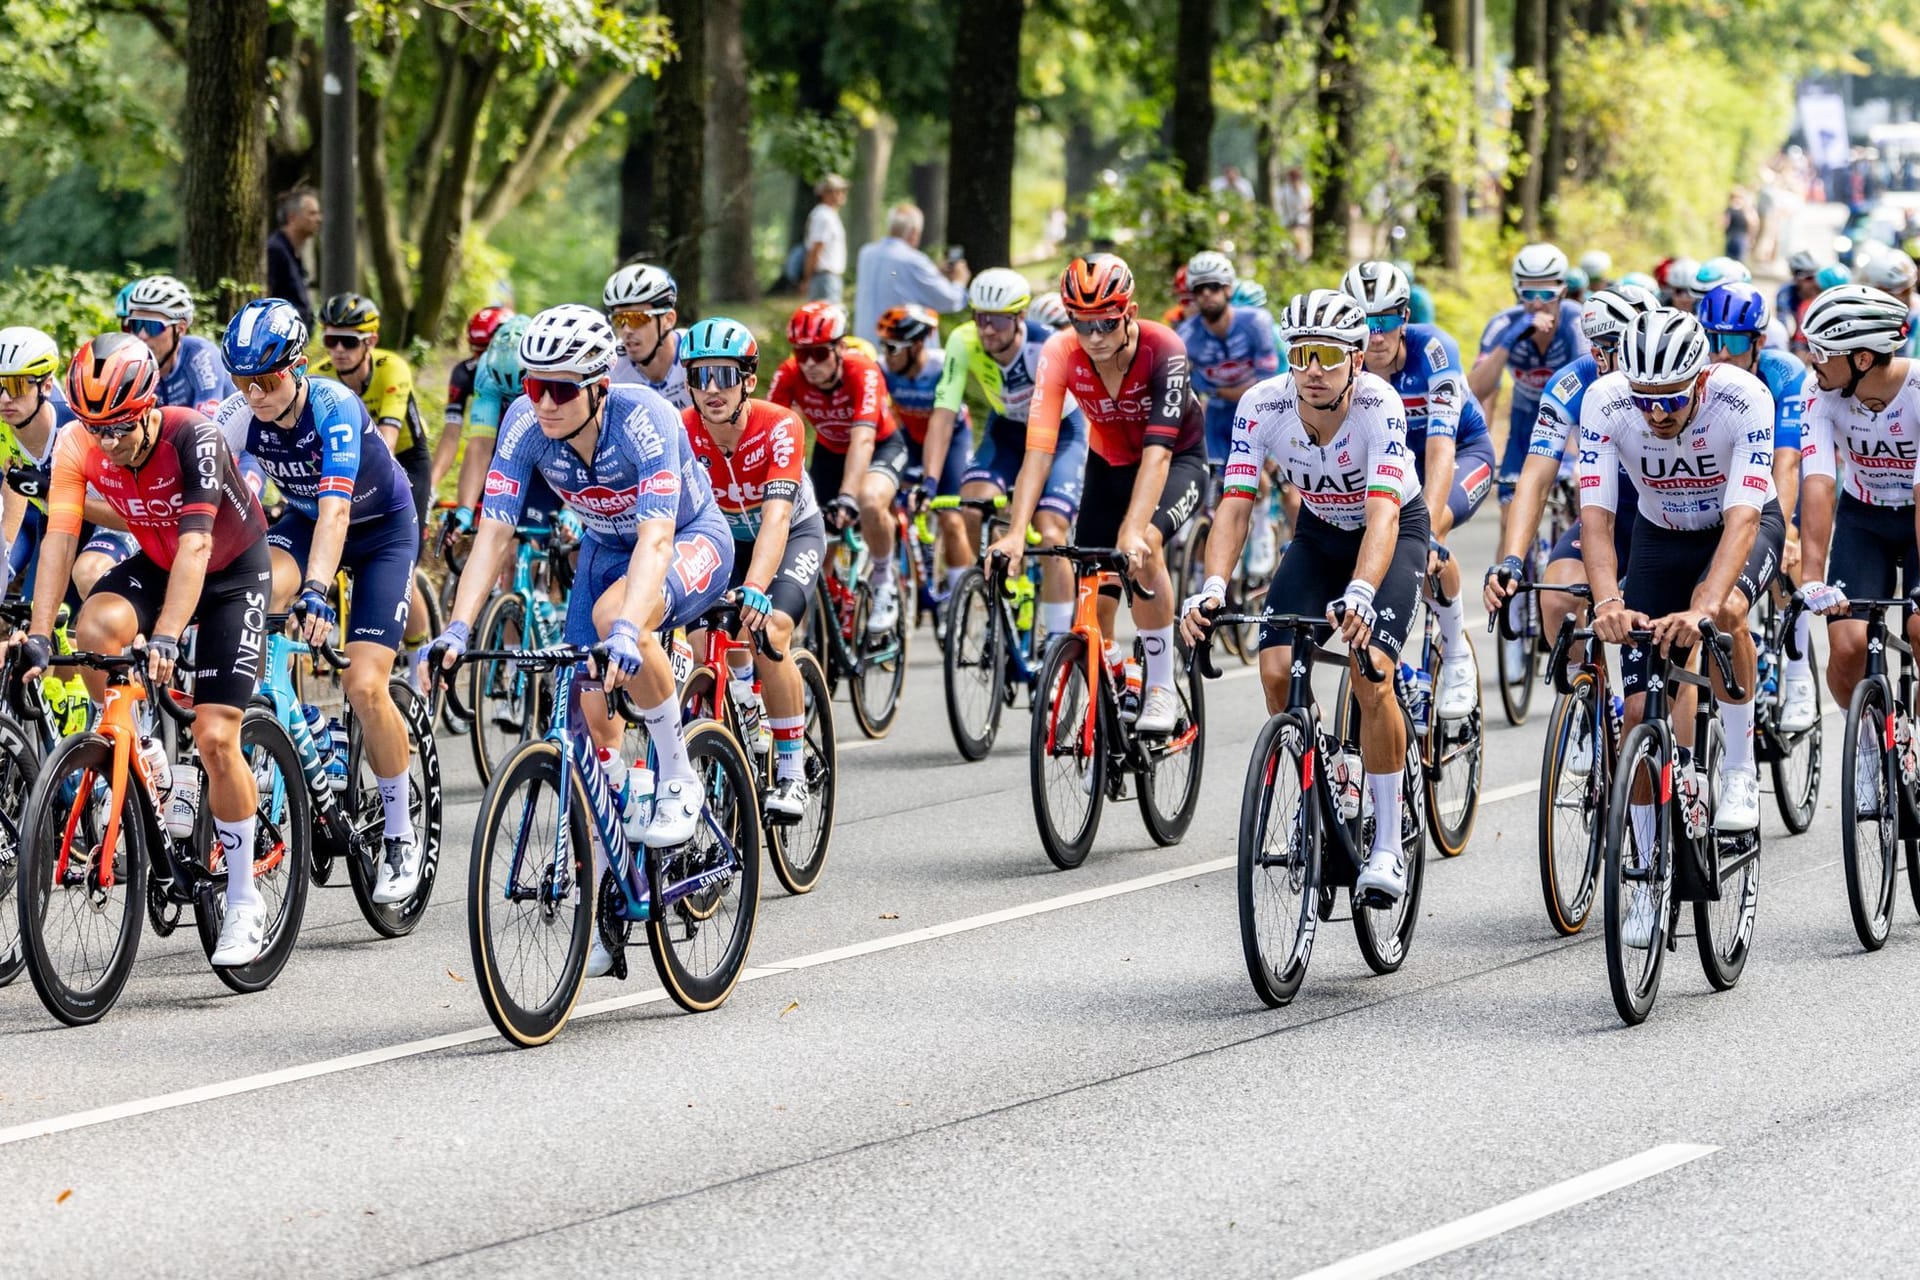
x=726, y=617
x=323, y=652
x=1498, y=618
x=1202, y=655
x=1790, y=625
x=1100, y=560
x=134, y=660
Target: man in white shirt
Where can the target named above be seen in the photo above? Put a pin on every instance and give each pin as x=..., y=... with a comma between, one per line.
x=823, y=278
x=894, y=273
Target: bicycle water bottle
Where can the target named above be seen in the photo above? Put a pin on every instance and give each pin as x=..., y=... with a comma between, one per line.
x=1693, y=806
x=159, y=771
x=1348, y=774
x=1022, y=591
x=1419, y=686
x=183, y=806
x=1130, y=690
x=331, y=750
x=637, y=805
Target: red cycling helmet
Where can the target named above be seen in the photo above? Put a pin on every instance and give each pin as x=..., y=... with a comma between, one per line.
x=1181, y=293
x=1098, y=284
x=817, y=324
x=112, y=379
x=481, y=328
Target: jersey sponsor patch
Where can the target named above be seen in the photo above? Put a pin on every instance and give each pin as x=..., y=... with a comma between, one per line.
x=1568, y=386
x=499, y=486
x=1436, y=355
x=695, y=561
x=664, y=483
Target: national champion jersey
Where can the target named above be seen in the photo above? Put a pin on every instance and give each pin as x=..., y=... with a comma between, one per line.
x=1241, y=356
x=673, y=386
x=199, y=379
x=768, y=463
x=1154, y=404
x=913, y=397
x=1366, y=457
x=1008, y=388
x=1880, y=447
x=1531, y=366
x=1432, y=384
x=1722, y=458
x=332, y=450
x=859, y=397
x=642, y=467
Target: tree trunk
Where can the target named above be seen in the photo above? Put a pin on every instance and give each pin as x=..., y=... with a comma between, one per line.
x=730, y=272
x=224, y=138
x=866, y=203
x=635, y=234
x=1553, y=159
x=1193, y=93
x=1266, y=139
x=1337, y=109
x=815, y=95
x=1602, y=17
x=681, y=117
x=1445, y=202
x=443, y=231
x=556, y=134
x=1520, y=205
x=384, y=249
x=985, y=93
x=930, y=193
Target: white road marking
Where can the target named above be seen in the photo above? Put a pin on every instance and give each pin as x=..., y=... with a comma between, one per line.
x=1501, y=1218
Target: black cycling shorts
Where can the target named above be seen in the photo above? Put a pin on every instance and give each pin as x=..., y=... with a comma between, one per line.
x=1873, y=547
x=828, y=468
x=1109, y=492
x=792, y=588
x=1318, y=564
x=1665, y=565
x=229, y=651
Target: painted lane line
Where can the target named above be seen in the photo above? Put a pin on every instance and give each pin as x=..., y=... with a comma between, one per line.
x=1501, y=1218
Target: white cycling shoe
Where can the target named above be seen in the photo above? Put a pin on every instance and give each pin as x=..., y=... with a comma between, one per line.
x=1739, y=807
x=599, y=960
x=1384, y=874
x=243, y=935
x=676, y=814
x=1459, y=686
x=1866, y=777
x=1159, y=711
x=1797, y=708
x=399, y=871
x=886, y=606
x=1637, y=930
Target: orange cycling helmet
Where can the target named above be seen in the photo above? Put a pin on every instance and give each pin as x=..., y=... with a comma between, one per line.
x=817, y=324
x=909, y=323
x=112, y=379
x=1098, y=284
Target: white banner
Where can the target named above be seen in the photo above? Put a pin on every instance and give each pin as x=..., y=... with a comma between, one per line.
x=1823, y=119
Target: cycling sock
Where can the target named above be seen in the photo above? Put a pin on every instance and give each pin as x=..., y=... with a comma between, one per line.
x=1158, y=644
x=1385, y=790
x=789, y=746
x=236, y=846
x=1056, y=618
x=1452, y=627
x=1798, y=666
x=1738, y=723
x=669, y=748
x=393, y=800
x=1643, y=825
x=953, y=576
x=882, y=571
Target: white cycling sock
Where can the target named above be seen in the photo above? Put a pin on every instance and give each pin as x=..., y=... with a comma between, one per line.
x=1452, y=627
x=1738, y=723
x=1798, y=666
x=1385, y=790
x=669, y=748
x=393, y=801
x=882, y=571
x=789, y=747
x=1056, y=618
x=236, y=847
x=1158, y=644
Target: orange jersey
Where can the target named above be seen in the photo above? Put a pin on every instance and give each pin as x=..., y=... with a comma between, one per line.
x=859, y=398
x=764, y=465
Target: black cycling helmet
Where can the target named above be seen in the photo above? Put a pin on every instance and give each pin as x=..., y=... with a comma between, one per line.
x=350, y=311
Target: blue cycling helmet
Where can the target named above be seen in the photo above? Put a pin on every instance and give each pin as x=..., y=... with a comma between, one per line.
x=721, y=339
x=499, y=368
x=1576, y=280
x=265, y=336
x=123, y=301
x=1247, y=293
x=1833, y=275
x=1733, y=308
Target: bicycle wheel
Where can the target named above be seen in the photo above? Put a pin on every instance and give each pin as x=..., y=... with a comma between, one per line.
x=1170, y=788
x=282, y=853
x=883, y=669
x=1796, y=764
x=1279, y=863
x=1067, y=757
x=1639, y=862
x=1385, y=934
x=529, y=912
x=1454, y=750
x=1723, y=927
x=368, y=814
x=974, y=667
x=1572, y=808
x=699, y=941
x=1869, y=816
x=80, y=937
x=1516, y=660
x=18, y=768
x=800, y=849
x=504, y=700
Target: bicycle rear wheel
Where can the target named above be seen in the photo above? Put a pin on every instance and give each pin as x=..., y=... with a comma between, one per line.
x=368, y=814
x=505, y=701
x=1454, y=749
x=1572, y=808
x=1385, y=934
x=1278, y=873
x=800, y=849
x=1067, y=755
x=883, y=669
x=1869, y=815
x=974, y=667
x=1170, y=788
x=529, y=909
x=1796, y=764
x=1639, y=873
x=18, y=768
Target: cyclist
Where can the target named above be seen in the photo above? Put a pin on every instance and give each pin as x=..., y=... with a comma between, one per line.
x=1598, y=264
x=481, y=328
x=1049, y=312
x=655, y=555
x=350, y=333
x=1676, y=283
x=998, y=352
x=1228, y=351
x=1182, y=309
x=1867, y=410
x=859, y=451
x=348, y=507
x=1338, y=433
x=1697, y=439
x=752, y=452
x=1893, y=273
x=1802, y=287
x=1146, y=455
x=202, y=560
x=1735, y=318
x=1539, y=334
x=1577, y=285
x=1250, y=295
x=913, y=368
x=496, y=384
x=159, y=311
x=641, y=302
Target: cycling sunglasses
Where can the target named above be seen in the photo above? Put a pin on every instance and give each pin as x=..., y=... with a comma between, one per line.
x=1604, y=346
x=994, y=320
x=258, y=381
x=1662, y=404
x=1539, y=295
x=1386, y=323
x=1301, y=354
x=716, y=377
x=145, y=328
x=1733, y=344
x=342, y=341
x=813, y=355
x=18, y=387
x=562, y=392
x=1087, y=328
x=113, y=430
x=630, y=319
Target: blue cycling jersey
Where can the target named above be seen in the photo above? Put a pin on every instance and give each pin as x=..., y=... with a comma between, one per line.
x=1559, y=418
x=332, y=450
x=1433, y=385
x=1531, y=367
x=487, y=402
x=642, y=467
x=1786, y=377
x=199, y=379
x=1240, y=357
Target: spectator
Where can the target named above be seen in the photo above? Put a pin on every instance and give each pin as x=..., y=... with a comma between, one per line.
x=1296, y=212
x=1231, y=179
x=823, y=276
x=1739, y=224
x=894, y=273
x=298, y=212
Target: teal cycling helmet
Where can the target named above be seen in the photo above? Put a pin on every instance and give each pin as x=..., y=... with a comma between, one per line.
x=1832, y=276
x=123, y=301
x=498, y=369
x=1248, y=293
x=721, y=339
x=1642, y=279
x=1576, y=280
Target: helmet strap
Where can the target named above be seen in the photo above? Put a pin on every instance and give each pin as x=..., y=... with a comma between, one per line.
x=1339, y=401
x=657, y=342
x=595, y=398
x=1854, y=374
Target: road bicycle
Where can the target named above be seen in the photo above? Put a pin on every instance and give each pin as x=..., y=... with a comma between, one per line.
x=507, y=703
x=1523, y=638
x=874, y=664
x=1247, y=584
x=1794, y=759
x=993, y=637
x=1880, y=805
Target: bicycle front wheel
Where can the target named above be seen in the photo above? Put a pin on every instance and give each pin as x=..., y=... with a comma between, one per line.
x=1452, y=772
x=974, y=666
x=368, y=814
x=1723, y=927
x=1385, y=934
x=18, y=769
x=1869, y=813
x=504, y=700
x=282, y=853
x=1067, y=754
x=1797, y=760
x=1279, y=863
x=1516, y=660
x=800, y=849
x=883, y=668
x=1639, y=875
x=1573, y=794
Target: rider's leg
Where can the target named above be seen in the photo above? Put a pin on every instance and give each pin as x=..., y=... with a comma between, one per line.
x=107, y=624
x=231, y=797
x=1383, y=746
x=1056, y=575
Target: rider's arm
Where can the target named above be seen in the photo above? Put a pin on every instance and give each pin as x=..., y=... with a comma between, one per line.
x=492, y=540
x=506, y=498
x=66, y=499
x=201, y=496
x=1537, y=476
x=1598, y=470
x=329, y=538
x=1496, y=347
x=1377, y=544
x=1148, y=483
x=859, y=454
x=473, y=470
x=1439, y=486
x=770, y=544
x=1816, y=526
x=1043, y=429
x=184, y=582
x=1741, y=526
x=1786, y=479
x=445, y=451
x=1240, y=485
x=646, y=570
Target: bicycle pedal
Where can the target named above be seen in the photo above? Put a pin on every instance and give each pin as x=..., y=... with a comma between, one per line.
x=619, y=969
x=1374, y=900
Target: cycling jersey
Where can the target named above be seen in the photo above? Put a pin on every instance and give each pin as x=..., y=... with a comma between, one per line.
x=1366, y=458
x=1008, y=388
x=858, y=398
x=764, y=465
x=389, y=397
x=460, y=388
x=673, y=386
x=1242, y=355
x=188, y=484
x=1786, y=378
x=1880, y=448
x=1154, y=405
x=14, y=453
x=199, y=379
x=1722, y=458
x=1432, y=384
x=1559, y=420
x=1512, y=331
x=332, y=450
x=642, y=468
x=913, y=397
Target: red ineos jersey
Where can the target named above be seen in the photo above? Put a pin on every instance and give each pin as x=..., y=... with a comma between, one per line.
x=1154, y=405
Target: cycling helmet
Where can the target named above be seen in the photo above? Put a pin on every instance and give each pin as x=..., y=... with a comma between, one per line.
x=113, y=378
x=722, y=339
x=120, y=307
x=639, y=288
x=1832, y=276
x=162, y=294
x=1210, y=267
x=1662, y=347
x=1640, y=279
x=1180, y=289
x=1325, y=314
x=1379, y=287
x=907, y=324
x=1250, y=293
x=1101, y=284
x=499, y=367
x=1715, y=272
x=1890, y=272
x=998, y=291
x=1855, y=317
x=1803, y=262
x=1679, y=275
x=1608, y=311
x=1576, y=280
x=1733, y=308
x=27, y=353
x=484, y=324
x=1597, y=263
x=569, y=339
x=1539, y=264
x=1051, y=312
x=349, y=311
x=817, y=324
x=264, y=336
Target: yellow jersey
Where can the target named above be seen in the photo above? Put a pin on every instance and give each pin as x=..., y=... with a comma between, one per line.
x=389, y=396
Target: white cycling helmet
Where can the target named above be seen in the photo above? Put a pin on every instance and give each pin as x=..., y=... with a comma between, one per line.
x=1326, y=314
x=1715, y=272
x=1680, y=275
x=1662, y=347
x=28, y=353
x=165, y=295
x=1209, y=267
x=1539, y=264
x=1855, y=317
x=1380, y=287
x=1598, y=264
x=1609, y=312
x=999, y=291
x=639, y=288
x=1803, y=262
x=1050, y=311
x=571, y=339
x=1890, y=272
